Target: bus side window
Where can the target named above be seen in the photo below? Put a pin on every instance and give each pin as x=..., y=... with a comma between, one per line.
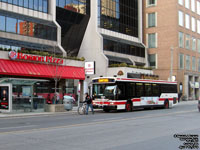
x=148, y=90
x=121, y=91
x=139, y=89
x=155, y=90
x=131, y=90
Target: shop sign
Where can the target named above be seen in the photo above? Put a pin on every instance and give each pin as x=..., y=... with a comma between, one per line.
x=28, y=57
x=89, y=68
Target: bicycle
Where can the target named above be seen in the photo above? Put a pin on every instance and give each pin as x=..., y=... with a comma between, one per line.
x=82, y=108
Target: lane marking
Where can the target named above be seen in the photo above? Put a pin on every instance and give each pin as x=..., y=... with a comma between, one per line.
x=17, y=127
x=94, y=123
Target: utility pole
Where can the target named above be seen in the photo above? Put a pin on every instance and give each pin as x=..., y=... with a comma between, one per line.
x=171, y=69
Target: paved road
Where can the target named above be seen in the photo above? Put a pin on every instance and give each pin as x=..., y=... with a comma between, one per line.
x=141, y=130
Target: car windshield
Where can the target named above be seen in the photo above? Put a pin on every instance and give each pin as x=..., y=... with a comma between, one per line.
x=104, y=90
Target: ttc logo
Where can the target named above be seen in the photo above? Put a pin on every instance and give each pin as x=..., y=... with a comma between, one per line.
x=12, y=55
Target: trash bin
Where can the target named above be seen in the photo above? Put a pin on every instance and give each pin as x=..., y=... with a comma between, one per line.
x=68, y=102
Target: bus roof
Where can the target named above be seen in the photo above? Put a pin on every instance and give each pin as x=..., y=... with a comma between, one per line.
x=115, y=79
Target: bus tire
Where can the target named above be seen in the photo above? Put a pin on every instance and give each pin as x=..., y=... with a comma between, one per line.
x=166, y=104
x=128, y=106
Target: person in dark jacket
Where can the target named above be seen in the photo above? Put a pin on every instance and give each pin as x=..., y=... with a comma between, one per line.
x=88, y=100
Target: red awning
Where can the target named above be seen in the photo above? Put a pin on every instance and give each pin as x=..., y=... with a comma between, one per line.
x=20, y=68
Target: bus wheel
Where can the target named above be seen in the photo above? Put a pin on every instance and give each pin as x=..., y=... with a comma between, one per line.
x=128, y=107
x=166, y=104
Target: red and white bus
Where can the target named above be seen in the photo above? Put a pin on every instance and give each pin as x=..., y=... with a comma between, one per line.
x=126, y=94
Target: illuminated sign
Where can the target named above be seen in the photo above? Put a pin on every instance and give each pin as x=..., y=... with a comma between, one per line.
x=90, y=68
x=28, y=57
x=103, y=80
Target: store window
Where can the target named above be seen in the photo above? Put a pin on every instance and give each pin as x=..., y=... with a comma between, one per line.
x=151, y=20
x=181, y=18
x=181, y=40
x=193, y=63
x=187, y=62
x=181, y=61
x=152, y=40
x=187, y=41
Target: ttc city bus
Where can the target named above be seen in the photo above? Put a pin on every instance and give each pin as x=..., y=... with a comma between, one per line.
x=126, y=94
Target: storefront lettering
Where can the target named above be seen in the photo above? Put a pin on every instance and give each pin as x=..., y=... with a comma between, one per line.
x=21, y=56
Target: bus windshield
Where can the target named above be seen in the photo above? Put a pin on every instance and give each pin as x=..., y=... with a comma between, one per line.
x=104, y=90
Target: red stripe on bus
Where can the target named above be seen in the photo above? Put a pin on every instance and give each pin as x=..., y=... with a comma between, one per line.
x=136, y=100
x=163, y=99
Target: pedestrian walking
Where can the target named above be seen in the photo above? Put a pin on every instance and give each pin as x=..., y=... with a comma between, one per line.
x=88, y=100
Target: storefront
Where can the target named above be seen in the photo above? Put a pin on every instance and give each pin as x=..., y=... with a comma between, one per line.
x=28, y=82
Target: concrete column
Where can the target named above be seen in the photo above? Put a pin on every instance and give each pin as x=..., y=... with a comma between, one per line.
x=186, y=86
x=81, y=90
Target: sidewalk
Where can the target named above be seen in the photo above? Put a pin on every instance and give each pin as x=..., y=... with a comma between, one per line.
x=5, y=115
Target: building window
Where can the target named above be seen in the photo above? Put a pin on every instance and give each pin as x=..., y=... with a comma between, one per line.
x=181, y=61
x=193, y=5
x=187, y=21
x=193, y=24
x=180, y=18
x=38, y=5
x=152, y=40
x=187, y=62
x=123, y=48
x=199, y=65
x=119, y=16
x=187, y=41
x=151, y=3
x=198, y=7
x=181, y=40
x=180, y=2
x=198, y=45
x=193, y=44
x=27, y=28
x=198, y=26
x=187, y=4
x=2, y=23
x=193, y=63
x=152, y=60
x=151, y=20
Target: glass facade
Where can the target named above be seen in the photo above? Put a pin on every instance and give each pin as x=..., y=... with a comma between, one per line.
x=119, y=16
x=27, y=28
x=123, y=48
x=78, y=6
x=38, y=5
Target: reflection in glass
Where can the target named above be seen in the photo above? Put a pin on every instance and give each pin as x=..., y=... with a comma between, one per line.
x=45, y=6
x=40, y=5
x=2, y=23
x=20, y=2
x=35, y=4
x=11, y=25
x=30, y=4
